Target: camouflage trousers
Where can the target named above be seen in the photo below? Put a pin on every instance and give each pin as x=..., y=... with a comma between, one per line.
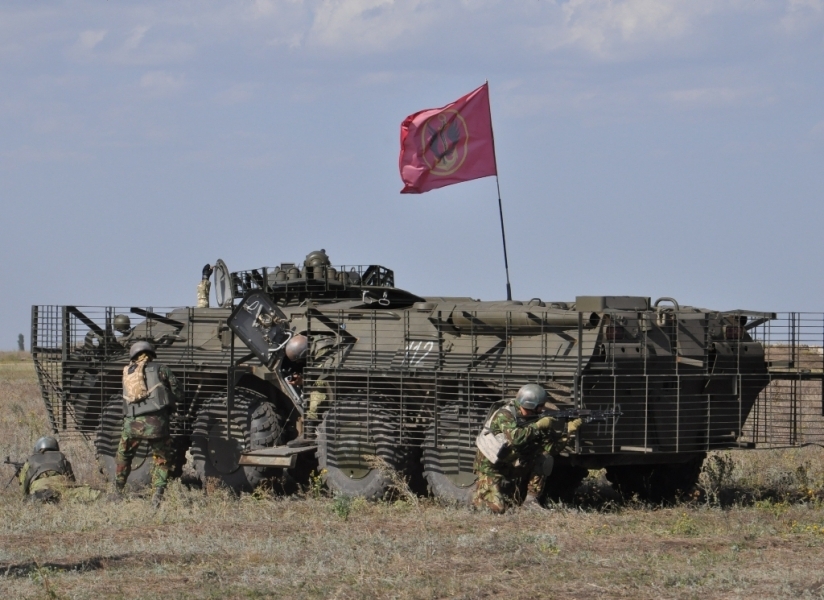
x=504, y=486
x=54, y=488
x=162, y=456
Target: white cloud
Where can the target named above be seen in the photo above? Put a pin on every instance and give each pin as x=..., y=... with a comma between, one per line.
x=707, y=97
x=87, y=40
x=236, y=94
x=29, y=154
x=802, y=15
x=161, y=83
x=135, y=37
x=371, y=25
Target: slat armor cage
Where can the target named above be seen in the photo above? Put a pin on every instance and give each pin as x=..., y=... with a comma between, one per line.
x=424, y=376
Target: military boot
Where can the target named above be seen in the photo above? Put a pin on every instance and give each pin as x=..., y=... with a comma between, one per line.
x=157, y=497
x=118, y=494
x=531, y=502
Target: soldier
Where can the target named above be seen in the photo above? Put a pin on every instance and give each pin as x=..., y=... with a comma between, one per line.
x=519, y=452
x=204, y=287
x=150, y=391
x=47, y=475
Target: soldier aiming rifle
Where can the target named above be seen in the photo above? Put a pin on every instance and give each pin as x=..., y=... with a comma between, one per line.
x=571, y=414
x=516, y=447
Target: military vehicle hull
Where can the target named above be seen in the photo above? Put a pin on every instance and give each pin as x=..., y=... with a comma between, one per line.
x=396, y=380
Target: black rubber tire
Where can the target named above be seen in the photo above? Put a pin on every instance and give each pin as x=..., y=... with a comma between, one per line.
x=84, y=396
x=106, y=440
x=255, y=424
x=440, y=485
x=353, y=415
x=181, y=446
x=562, y=483
x=663, y=483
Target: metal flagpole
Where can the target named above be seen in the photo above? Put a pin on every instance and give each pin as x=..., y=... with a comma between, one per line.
x=500, y=204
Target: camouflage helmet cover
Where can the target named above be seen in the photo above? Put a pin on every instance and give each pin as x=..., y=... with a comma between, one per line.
x=530, y=396
x=139, y=347
x=46, y=443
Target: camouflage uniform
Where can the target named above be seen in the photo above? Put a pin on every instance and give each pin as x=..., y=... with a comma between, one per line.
x=502, y=484
x=154, y=428
x=53, y=486
x=203, y=293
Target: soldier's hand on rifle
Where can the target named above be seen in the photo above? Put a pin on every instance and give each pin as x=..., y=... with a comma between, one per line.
x=544, y=423
x=573, y=426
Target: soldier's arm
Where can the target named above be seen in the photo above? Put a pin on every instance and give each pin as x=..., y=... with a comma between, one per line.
x=518, y=437
x=174, y=384
x=69, y=471
x=22, y=477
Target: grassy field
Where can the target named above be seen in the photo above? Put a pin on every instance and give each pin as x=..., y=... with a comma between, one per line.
x=755, y=530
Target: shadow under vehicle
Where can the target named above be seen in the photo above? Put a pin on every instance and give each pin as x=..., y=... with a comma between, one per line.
x=411, y=379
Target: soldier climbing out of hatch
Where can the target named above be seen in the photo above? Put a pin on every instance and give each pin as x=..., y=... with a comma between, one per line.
x=47, y=476
x=510, y=455
x=150, y=391
x=296, y=351
x=204, y=287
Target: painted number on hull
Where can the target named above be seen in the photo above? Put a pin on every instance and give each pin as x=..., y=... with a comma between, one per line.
x=417, y=351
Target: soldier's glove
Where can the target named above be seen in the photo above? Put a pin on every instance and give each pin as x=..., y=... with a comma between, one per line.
x=574, y=426
x=544, y=423
x=207, y=271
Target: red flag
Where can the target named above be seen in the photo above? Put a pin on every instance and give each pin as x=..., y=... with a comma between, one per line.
x=442, y=146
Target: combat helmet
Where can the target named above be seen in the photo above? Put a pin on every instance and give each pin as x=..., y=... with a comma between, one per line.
x=46, y=443
x=530, y=396
x=141, y=346
x=297, y=347
x=317, y=258
x=122, y=323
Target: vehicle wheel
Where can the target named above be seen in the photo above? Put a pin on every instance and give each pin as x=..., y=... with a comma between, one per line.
x=106, y=440
x=448, y=466
x=85, y=398
x=352, y=430
x=181, y=446
x=656, y=483
x=562, y=483
x=254, y=424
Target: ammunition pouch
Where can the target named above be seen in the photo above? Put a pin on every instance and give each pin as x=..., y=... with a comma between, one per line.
x=493, y=445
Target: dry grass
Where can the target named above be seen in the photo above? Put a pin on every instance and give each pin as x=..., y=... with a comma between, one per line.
x=757, y=532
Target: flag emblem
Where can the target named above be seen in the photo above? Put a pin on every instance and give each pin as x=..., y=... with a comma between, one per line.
x=444, y=142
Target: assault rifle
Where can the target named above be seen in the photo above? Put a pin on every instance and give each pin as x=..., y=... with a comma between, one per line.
x=570, y=414
x=18, y=466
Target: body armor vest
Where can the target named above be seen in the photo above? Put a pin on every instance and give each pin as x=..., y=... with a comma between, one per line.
x=40, y=464
x=494, y=445
x=157, y=398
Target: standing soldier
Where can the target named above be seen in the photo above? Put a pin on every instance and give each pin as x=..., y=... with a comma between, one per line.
x=508, y=454
x=47, y=475
x=150, y=391
x=204, y=287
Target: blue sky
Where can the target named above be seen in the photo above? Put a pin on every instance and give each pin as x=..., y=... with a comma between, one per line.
x=645, y=147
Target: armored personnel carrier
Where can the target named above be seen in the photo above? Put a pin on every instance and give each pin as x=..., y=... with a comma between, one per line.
x=382, y=372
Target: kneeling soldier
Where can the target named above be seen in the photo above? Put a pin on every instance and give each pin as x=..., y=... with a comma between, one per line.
x=150, y=391
x=510, y=455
